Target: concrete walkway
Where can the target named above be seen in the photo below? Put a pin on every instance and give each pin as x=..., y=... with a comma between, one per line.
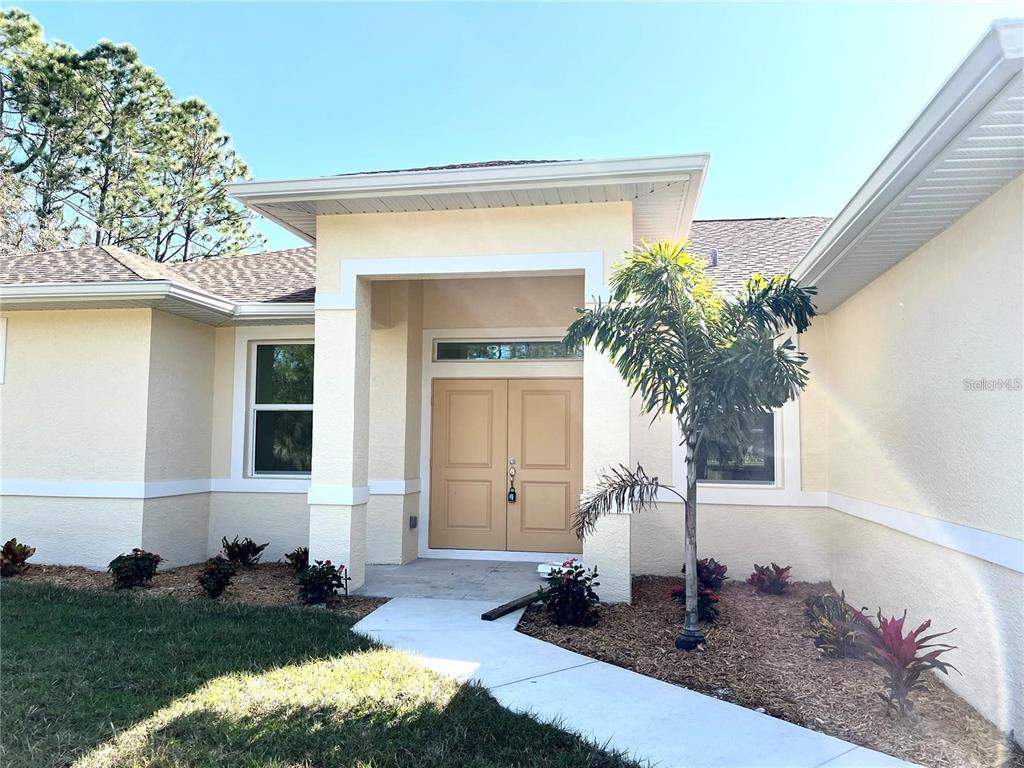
x=494, y=580
x=655, y=721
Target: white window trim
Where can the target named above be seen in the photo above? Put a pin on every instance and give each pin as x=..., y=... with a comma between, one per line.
x=242, y=478
x=252, y=408
x=777, y=481
x=785, y=491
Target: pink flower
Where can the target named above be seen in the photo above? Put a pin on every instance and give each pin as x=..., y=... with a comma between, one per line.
x=327, y=562
x=568, y=562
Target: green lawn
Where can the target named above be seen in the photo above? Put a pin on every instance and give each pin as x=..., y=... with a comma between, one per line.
x=101, y=679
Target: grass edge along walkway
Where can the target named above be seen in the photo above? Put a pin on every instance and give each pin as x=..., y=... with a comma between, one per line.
x=117, y=679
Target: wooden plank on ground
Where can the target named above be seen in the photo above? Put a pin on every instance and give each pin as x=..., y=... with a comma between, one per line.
x=512, y=605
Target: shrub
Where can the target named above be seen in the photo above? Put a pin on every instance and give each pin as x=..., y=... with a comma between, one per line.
x=298, y=559
x=710, y=576
x=900, y=656
x=135, y=569
x=830, y=624
x=245, y=552
x=711, y=573
x=569, y=596
x=13, y=557
x=771, y=580
x=319, y=582
x=215, y=576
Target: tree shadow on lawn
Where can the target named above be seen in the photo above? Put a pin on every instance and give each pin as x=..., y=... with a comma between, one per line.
x=116, y=679
x=457, y=729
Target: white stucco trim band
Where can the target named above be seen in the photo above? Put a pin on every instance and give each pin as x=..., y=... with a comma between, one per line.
x=338, y=495
x=1006, y=551
x=395, y=487
x=121, y=489
x=110, y=489
x=590, y=263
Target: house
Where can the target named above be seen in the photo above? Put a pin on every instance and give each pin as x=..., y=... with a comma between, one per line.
x=376, y=395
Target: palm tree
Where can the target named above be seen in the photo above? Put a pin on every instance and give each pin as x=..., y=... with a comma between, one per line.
x=714, y=362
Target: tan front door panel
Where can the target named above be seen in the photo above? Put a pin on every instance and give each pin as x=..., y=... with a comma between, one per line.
x=545, y=437
x=468, y=455
x=477, y=426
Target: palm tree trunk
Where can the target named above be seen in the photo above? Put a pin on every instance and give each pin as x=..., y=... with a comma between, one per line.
x=691, y=636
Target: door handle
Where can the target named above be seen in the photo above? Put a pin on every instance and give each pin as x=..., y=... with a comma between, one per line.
x=511, y=496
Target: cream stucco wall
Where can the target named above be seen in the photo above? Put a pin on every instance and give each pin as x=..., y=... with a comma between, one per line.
x=503, y=302
x=396, y=341
x=738, y=536
x=74, y=400
x=176, y=528
x=904, y=430
x=282, y=519
x=595, y=227
x=73, y=531
x=814, y=408
x=180, y=412
x=222, y=402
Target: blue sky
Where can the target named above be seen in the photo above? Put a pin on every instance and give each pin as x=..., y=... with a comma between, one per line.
x=797, y=103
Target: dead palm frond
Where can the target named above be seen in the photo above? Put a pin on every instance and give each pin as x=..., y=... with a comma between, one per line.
x=618, y=489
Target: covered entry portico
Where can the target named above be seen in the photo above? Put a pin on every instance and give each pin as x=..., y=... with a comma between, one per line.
x=469, y=253
x=443, y=437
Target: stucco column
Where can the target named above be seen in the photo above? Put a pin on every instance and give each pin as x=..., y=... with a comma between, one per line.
x=606, y=420
x=341, y=383
x=396, y=341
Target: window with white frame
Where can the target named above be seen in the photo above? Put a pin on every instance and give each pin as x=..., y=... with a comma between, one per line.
x=281, y=408
x=754, y=463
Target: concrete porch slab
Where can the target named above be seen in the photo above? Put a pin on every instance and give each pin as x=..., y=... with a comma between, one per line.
x=492, y=580
x=655, y=721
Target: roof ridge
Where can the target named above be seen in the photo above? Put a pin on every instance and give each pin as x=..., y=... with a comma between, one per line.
x=132, y=264
x=228, y=256
x=147, y=269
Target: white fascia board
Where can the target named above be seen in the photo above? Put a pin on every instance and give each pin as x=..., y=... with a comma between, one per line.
x=486, y=178
x=201, y=299
x=147, y=291
x=985, y=71
x=269, y=311
x=128, y=290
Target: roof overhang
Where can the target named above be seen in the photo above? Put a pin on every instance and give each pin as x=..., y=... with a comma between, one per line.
x=966, y=144
x=664, y=190
x=156, y=294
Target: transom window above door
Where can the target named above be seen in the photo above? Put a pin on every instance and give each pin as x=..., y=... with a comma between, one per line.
x=281, y=409
x=501, y=350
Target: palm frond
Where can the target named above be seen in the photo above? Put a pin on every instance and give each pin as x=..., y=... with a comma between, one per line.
x=643, y=343
x=772, y=304
x=617, y=489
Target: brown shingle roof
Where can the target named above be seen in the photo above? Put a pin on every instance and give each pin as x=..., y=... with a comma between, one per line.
x=90, y=264
x=746, y=246
x=270, y=276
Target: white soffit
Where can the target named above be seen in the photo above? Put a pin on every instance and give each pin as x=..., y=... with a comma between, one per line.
x=965, y=145
x=664, y=190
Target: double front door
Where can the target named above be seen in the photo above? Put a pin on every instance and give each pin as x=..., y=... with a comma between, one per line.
x=490, y=437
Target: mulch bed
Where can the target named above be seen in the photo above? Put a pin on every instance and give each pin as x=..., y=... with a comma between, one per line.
x=270, y=584
x=758, y=655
